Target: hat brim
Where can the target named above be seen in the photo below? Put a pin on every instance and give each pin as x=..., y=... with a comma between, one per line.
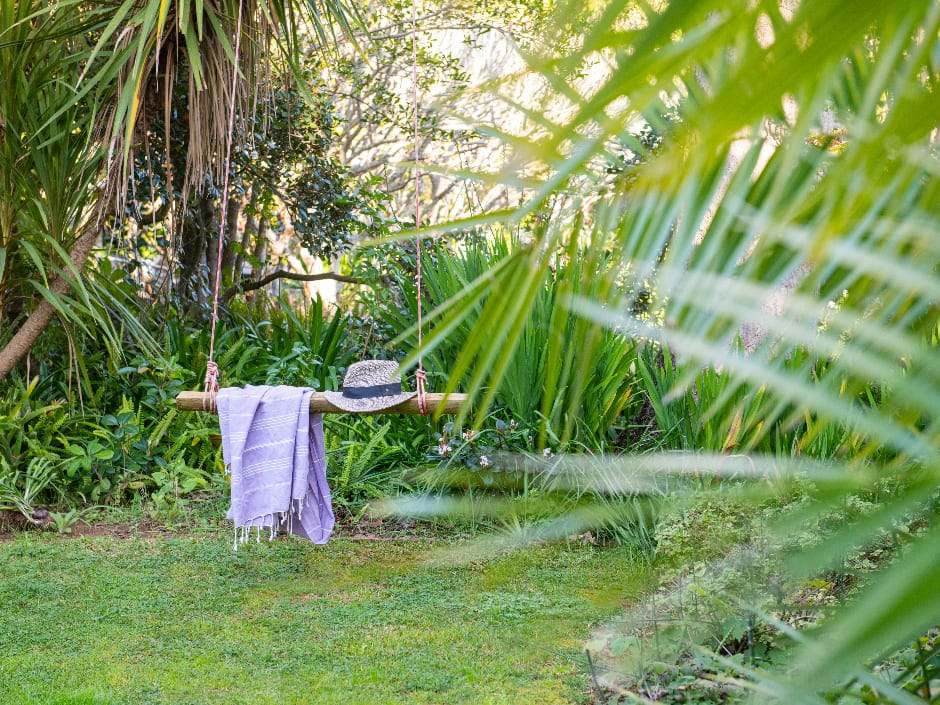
x=369, y=404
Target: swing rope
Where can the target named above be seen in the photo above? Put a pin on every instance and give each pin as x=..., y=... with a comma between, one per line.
x=421, y=377
x=211, y=384
x=211, y=387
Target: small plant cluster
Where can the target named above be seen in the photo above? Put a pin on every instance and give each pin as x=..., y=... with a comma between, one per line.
x=727, y=613
x=474, y=449
x=53, y=456
x=362, y=463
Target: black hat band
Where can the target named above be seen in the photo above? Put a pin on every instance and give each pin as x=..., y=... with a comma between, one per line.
x=377, y=390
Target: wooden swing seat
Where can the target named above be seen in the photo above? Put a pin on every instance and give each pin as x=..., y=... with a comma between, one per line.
x=437, y=404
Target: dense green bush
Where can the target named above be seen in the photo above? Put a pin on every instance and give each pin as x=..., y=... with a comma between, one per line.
x=109, y=435
x=114, y=434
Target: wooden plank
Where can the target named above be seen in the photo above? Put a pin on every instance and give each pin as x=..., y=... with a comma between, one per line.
x=437, y=403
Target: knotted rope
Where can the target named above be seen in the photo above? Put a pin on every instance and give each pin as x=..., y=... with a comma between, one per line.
x=211, y=386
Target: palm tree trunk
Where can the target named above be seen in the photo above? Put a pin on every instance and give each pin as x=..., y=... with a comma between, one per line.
x=23, y=340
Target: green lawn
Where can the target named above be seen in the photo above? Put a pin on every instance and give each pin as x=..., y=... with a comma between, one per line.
x=100, y=620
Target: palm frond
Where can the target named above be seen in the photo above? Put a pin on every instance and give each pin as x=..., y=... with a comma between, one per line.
x=785, y=229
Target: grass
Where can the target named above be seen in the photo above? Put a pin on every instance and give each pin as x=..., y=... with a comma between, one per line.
x=97, y=620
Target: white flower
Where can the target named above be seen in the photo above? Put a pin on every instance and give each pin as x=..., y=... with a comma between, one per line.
x=443, y=447
x=547, y=453
x=469, y=435
x=484, y=461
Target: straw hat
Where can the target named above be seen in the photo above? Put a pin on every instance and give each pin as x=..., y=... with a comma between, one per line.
x=370, y=385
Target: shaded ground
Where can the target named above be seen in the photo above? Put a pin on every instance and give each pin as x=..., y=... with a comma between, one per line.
x=13, y=524
x=206, y=515
x=141, y=613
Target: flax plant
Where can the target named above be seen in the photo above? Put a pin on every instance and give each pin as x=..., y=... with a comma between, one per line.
x=552, y=343
x=51, y=189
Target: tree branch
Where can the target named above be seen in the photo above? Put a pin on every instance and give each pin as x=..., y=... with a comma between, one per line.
x=27, y=334
x=248, y=285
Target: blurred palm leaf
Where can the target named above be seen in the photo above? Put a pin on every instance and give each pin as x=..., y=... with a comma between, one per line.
x=792, y=206
x=721, y=220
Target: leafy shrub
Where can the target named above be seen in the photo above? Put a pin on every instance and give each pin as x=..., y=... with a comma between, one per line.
x=362, y=465
x=23, y=486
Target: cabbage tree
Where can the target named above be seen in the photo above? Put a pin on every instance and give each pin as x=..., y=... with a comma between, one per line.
x=82, y=82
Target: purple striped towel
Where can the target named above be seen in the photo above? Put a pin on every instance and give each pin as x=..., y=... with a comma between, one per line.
x=273, y=448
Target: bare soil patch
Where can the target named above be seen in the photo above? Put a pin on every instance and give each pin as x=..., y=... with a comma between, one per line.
x=13, y=523
x=363, y=529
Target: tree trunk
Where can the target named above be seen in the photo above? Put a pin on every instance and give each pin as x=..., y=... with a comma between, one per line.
x=252, y=224
x=232, y=211
x=261, y=245
x=24, y=338
x=192, y=252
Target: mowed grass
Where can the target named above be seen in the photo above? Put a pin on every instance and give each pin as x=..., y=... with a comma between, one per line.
x=100, y=620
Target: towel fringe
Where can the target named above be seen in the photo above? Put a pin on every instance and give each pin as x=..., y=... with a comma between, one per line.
x=273, y=522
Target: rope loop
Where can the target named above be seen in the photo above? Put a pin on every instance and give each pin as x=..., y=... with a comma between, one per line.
x=211, y=386
x=421, y=380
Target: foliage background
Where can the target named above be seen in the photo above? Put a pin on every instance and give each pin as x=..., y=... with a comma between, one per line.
x=723, y=253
